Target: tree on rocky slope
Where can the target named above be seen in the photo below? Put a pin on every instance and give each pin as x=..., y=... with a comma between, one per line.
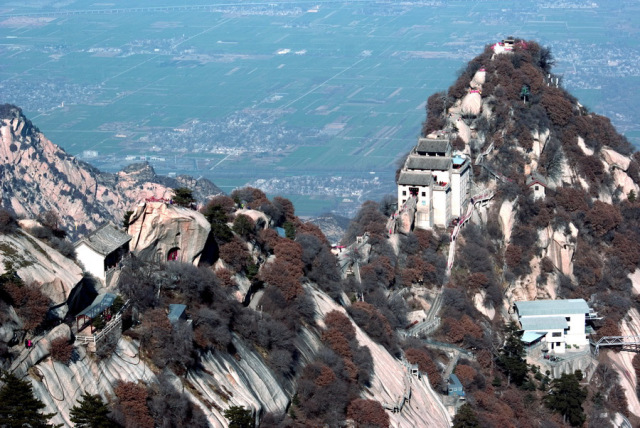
x=511, y=358
x=466, y=417
x=367, y=413
x=566, y=397
x=18, y=406
x=183, y=196
x=239, y=417
x=91, y=412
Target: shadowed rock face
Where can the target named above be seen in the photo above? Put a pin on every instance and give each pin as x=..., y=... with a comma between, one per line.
x=37, y=175
x=36, y=262
x=162, y=232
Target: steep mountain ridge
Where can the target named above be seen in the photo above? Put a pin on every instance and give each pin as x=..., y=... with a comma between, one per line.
x=333, y=344
x=38, y=176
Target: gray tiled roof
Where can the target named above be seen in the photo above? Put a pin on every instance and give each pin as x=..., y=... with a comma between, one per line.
x=432, y=146
x=536, y=177
x=552, y=307
x=428, y=163
x=415, y=179
x=105, y=239
x=543, y=323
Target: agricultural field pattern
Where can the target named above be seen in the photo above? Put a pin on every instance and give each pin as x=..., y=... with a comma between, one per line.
x=314, y=101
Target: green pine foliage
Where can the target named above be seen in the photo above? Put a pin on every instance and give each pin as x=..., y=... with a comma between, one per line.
x=566, y=397
x=289, y=230
x=243, y=225
x=511, y=358
x=466, y=417
x=239, y=417
x=125, y=220
x=91, y=412
x=183, y=196
x=18, y=406
x=218, y=218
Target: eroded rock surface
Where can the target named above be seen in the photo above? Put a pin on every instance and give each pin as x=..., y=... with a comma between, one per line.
x=162, y=231
x=37, y=175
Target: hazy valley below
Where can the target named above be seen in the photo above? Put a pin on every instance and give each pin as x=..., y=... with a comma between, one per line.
x=312, y=101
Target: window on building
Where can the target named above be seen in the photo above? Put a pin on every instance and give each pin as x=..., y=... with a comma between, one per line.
x=404, y=193
x=536, y=187
x=424, y=194
x=556, y=334
x=404, y=200
x=568, y=319
x=558, y=343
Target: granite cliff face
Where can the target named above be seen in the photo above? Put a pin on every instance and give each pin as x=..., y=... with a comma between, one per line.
x=37, y=176
x=36, y=262
x=162, y=232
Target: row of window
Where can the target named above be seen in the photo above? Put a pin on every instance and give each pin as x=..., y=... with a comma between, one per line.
x=404, y=193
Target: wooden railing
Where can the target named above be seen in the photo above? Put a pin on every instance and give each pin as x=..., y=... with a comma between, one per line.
x=94, y=338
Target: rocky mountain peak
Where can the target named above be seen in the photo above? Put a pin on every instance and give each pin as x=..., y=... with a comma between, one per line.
x=37, y=176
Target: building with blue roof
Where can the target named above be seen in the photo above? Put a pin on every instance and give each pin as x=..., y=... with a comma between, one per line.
x=177, y=312
x=454, y=386
x=558, y=323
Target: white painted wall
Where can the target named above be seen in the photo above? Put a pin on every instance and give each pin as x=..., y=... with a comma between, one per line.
x=576, y=334
x=440, y=208
x=538, y=191
x=92, y=261
x=558, y=342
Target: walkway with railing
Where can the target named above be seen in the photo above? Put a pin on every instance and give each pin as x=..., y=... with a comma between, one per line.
x=477, y=199
x=111, y=325
x=630, y=343
x=481, y=156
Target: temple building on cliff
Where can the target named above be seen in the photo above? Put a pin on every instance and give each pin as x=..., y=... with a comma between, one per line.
x=439, y=180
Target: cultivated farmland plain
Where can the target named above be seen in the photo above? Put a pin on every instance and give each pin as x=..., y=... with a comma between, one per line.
x=311, y=100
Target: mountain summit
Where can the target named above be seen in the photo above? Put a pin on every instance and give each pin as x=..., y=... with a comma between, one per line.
x=38, y=176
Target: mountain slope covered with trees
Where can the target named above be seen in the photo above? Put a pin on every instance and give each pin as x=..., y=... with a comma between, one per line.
x=279, y=329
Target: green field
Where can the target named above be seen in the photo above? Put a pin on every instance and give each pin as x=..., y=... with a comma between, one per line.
x=357, y=71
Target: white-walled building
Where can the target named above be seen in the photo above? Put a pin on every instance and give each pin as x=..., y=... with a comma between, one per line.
x=439, y=181
x=537, y=184
x=559, y=323
x=102, y=249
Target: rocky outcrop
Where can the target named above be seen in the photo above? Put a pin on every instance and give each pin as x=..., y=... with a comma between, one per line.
x=36, y=262
x=559, y=247
x=162, y=231
x=406, y=216
x=260, y=219
x=507, y=216
x=224, y=380
x=391, y=379
x=471, y=104
x=249, y=382
x=37, y=176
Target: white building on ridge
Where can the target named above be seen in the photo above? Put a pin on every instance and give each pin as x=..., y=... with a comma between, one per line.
x=102, y=249
x=438, y=180
x=559, y=323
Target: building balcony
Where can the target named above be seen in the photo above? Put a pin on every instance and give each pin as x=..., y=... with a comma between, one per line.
x=591, y=316
x=441, y=185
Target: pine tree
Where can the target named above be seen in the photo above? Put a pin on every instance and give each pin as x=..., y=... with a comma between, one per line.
x=183, y=196
x=18, y=406
x=466, y=417
x=239, y=417
x=511, y=358
x=566, y=397
x=91, y=412
x=289, y=230
x=125, y=220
